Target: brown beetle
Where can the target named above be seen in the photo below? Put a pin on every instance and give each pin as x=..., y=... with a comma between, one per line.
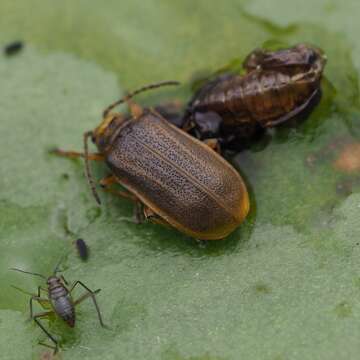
x=277, y=86
x=178, y=179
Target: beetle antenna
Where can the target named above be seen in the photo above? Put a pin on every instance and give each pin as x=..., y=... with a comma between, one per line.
x=28, y=272
x=138, y=91
x=89, y=177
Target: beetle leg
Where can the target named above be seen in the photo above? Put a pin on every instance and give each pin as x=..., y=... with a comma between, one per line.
x=139, y=212
x=108, y=180
x=139, y=218
x=120, y=193
x=213, y=144
x=153, y=217
x=111, y=179
x=41, y=326
x=76, y=154
x=92, y=295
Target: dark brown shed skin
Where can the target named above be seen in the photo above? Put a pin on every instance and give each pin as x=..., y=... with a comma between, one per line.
x=300, y=58
x=181, y=179
x=277, y=86
x=259, y=97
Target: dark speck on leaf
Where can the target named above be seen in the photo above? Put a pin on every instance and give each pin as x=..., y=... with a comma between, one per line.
x=343, y=310
x=262, y=288
x=82, y=249
x=13, y=48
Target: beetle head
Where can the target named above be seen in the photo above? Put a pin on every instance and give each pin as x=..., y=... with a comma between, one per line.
x=103, y=134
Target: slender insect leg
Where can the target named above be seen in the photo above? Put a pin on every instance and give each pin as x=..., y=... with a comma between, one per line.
x=139, y=212
x=109, y=180
x=85, y=296
x=76, y=154
x=48, y=346
x=153, y=217
x=29, y=293
x=37, y=298
x=120, y=193
x=41, y=289
x=64, y=280
x=92, y=295
x=41, y=326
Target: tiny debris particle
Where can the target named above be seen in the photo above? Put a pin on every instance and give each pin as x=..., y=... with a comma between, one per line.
x=343, y=309
x=82, y=249
x=13, y=48
x=348, y=160
x=262, y=288
x=344, y=187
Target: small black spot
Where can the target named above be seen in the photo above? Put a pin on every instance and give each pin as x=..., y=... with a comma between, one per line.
x=13, y=48
x=82, y=249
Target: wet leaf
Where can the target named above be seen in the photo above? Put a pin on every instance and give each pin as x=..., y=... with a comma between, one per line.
x=285, y=285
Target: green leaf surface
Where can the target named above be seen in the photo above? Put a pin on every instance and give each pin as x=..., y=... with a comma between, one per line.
x=285, y=285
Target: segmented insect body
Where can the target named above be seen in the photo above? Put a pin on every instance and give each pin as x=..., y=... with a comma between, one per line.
x=276, y=87
x=261, y=97
x=61, y=300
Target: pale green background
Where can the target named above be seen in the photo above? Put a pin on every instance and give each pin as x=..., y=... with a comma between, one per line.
x=285, y=285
